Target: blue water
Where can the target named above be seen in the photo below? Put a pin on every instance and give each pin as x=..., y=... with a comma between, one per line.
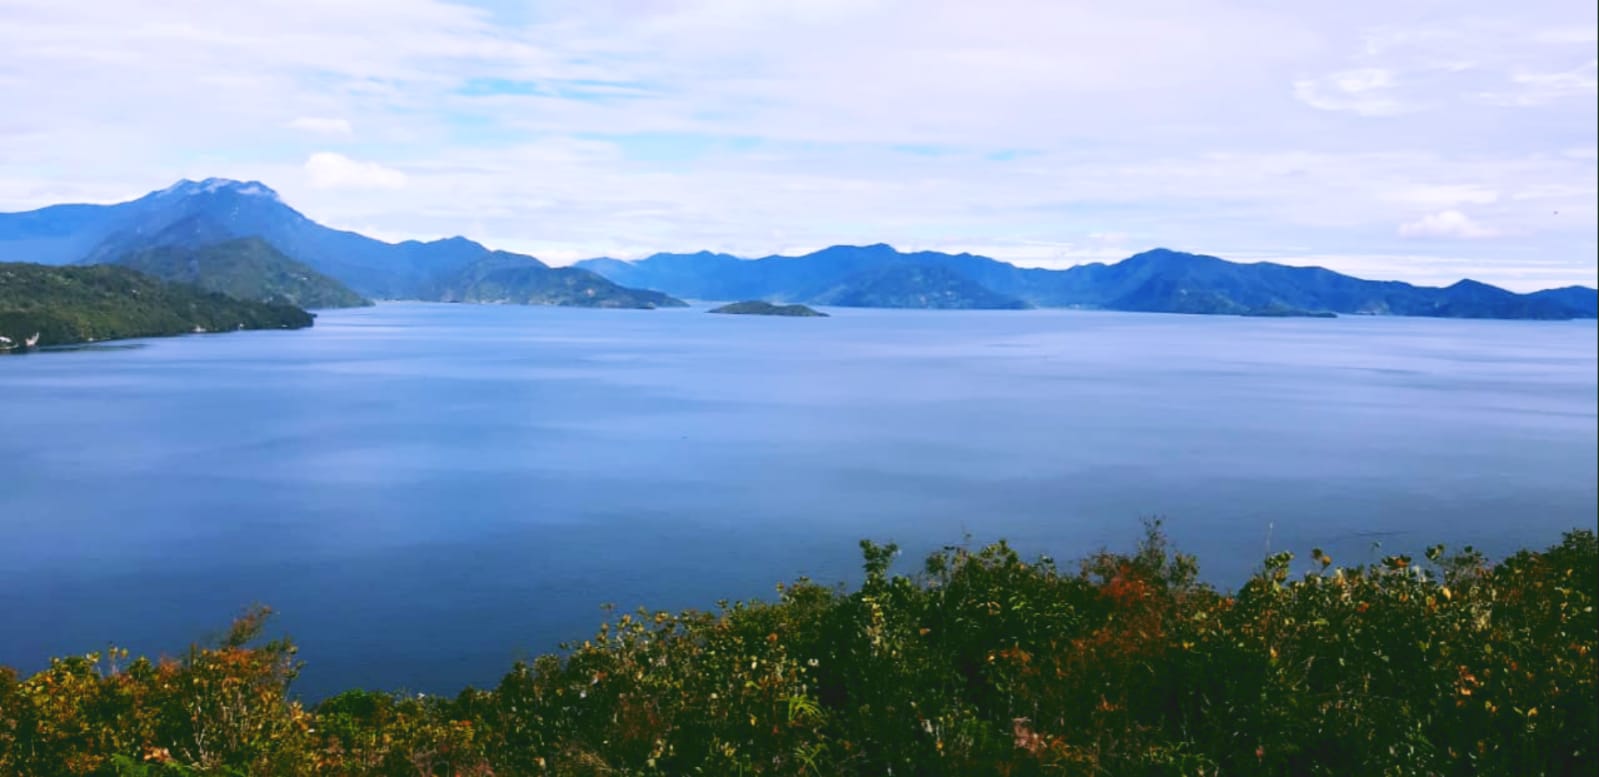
x=426, y=492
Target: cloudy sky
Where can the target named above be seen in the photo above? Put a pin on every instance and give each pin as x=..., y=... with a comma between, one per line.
x=1415, y=139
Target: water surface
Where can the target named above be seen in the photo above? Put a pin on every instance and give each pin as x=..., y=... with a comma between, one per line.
x=426, y=492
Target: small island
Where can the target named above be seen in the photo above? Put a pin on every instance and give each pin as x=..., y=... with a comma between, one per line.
x=762, y=308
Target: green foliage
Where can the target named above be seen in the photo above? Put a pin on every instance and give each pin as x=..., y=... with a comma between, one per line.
x=901, y=284
x=980, y=663
x=244, y=268
x=763, y=308
x=219, y=710
x=512, y=279
x=64, y=305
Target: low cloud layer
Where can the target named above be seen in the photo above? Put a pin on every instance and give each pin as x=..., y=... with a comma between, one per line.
x=1447, y=224
x=328, y=170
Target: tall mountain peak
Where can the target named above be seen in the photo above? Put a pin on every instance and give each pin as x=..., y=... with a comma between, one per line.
x=1158, y=253
x=188, y=188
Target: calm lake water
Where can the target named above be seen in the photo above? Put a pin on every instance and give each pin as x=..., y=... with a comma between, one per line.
x=427, y=492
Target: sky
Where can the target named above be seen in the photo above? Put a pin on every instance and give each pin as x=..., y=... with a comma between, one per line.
x=1418, y=140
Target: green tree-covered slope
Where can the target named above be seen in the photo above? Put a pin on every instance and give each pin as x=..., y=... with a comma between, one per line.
x=246, y=268
x=64, y=305
x=506, y=278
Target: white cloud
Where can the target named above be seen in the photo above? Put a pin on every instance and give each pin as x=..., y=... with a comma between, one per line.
x=322, y=126
x=1447, y=223
x=1579, y=35
x=1363, y=80
x=1455, y=63
x=1555, y=192
x=1367, y=92
x=1579, y=83
x=328, y=170
x=572, y=128
x=1442, y=195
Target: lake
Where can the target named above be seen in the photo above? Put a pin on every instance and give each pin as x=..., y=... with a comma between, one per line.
x=426, y=492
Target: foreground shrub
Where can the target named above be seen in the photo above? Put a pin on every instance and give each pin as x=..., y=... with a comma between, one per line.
x=218, y=710
x=979, y=663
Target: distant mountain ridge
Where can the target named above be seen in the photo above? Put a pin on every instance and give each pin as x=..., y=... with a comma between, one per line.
x=910, y=285
x=1160, y=280
x=193, y=214
x=246, y=268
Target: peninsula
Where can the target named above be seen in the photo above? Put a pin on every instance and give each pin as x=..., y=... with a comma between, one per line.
x=44, y=306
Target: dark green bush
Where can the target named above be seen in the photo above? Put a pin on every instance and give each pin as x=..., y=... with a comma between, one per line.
x=981, y=663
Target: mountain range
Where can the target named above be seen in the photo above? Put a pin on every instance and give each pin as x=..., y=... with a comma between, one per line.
x=1160, y=280
x=196, y=214
x=192, y=231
